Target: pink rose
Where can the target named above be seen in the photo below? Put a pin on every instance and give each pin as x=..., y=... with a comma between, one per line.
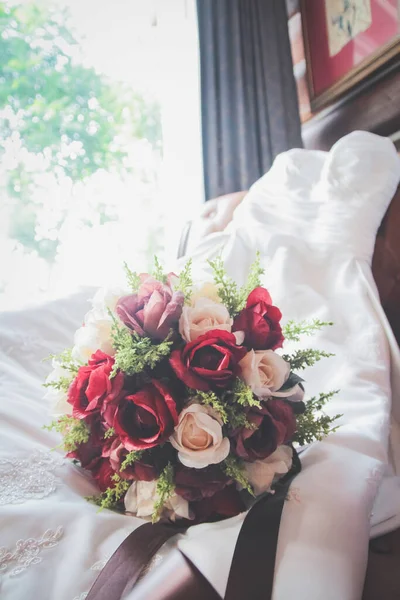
x=264, y=371
x=205, y=315
x=153, y=311
x=198, y=437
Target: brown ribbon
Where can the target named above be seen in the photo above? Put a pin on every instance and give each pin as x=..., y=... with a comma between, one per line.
x=252, y=570
x=130, y=559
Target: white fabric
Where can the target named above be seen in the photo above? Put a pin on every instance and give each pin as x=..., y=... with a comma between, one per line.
x=314, y=218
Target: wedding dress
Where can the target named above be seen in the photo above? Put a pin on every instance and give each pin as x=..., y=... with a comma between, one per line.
x=314, y=218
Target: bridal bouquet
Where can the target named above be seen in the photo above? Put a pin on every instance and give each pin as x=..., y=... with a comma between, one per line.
x=177, y=398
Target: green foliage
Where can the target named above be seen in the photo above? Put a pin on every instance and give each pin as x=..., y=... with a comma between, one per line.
x=59, y=110
x=132, y=278
x=305, y=358
x=74, y=431
x=164, y=490
x=185, y=283
x=158, y=271
x=134, y=354
x=231, y=413
x=253, y=280
x=237, y=418
x=109, y=433
x=211, y=399
x=69, y=365
x=233, y=297
x=243, y=394
x=312, y=426
x=293, y=331
x=61, y=384
x=113, y=495
x=130, y=458
x=234, y=469
x=65, y=360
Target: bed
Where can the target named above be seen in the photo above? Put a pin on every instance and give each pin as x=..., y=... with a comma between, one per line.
x=54, y=544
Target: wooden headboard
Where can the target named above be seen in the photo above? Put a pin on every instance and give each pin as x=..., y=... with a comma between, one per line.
x=374, y=106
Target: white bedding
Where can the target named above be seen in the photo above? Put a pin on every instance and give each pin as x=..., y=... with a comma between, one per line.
x=314, y=218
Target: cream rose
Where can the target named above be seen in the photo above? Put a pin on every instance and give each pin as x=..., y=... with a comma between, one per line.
x=106, y=299
x=205, y=315
x=94, y=335
x=261, y=473
x=207, y=290
x=264, y=371
x=142, y=495
x=58, y=398
x=198, y=437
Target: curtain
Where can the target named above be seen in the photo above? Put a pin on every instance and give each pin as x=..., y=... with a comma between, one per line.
x=248, y=92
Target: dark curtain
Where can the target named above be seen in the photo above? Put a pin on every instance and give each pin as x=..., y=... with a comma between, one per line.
x=248, y=92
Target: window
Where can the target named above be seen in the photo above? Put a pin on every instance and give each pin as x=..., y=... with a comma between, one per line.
x=99, y=140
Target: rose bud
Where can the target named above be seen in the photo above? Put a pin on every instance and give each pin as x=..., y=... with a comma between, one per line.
x=260, y=322
x=274, y=423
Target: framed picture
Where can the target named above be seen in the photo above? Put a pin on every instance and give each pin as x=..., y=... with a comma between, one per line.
x=346, y=40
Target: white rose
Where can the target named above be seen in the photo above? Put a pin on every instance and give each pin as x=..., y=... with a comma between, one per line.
x=142, y=495
x=198, y=437
x=58, y=402
x=261, y=473
x=94, y=335
x=106, y=299
x=207, y=290
x=203, y=316
x=264, y=371
x=58, y=398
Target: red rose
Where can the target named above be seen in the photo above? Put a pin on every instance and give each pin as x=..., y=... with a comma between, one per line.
x=147, y=418
x=196, y=484
x=276, y=424
x=260, y=322
x=103, y=475
x=89, y=453
x=92, y=387
x=141, y=469
x=224, y=504
x=153, y=311
x=211, y=361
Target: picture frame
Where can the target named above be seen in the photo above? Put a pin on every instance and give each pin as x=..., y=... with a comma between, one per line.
x=345, y=41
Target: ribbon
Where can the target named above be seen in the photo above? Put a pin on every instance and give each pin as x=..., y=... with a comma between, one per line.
x=130, y=559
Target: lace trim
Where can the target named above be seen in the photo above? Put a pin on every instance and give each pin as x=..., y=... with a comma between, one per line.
x=26, y=552
x=97, y=566
x=29, y=478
